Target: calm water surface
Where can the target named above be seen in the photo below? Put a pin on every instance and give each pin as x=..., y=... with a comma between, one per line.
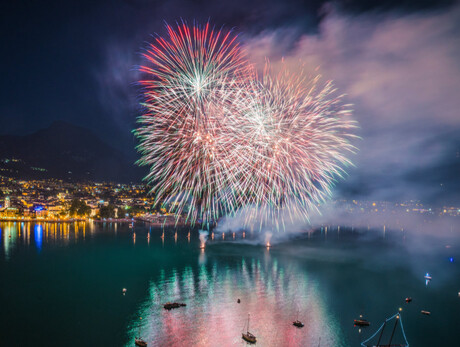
x=62, y=284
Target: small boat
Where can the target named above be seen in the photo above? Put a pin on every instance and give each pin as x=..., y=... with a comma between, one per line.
x=138, y=341
x=408, y=299
x=247, y=336
x=361, y=323
x=238, y=301
x=124, y=291
x=426, y=312
x=298, y=323
x=171, y=305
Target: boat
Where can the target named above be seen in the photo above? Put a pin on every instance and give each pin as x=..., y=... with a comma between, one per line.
x=426, y=312
x=408, y=299
x=238, y=301
x=298, y=323
x=171, y=305
x=361, y=323
x=138, y=341
x=247, y=336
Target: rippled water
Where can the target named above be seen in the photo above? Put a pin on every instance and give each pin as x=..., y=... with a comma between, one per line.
x=62, y=284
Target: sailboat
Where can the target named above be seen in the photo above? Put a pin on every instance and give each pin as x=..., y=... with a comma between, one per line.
x=248, y=336
x=298, y=323
x=138, y=341
x=380, y=336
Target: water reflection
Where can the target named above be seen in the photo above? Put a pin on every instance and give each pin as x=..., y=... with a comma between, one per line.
x=9, y=238
x=38, y=231
x=271, y=292
x=330, y=281
x=17, y=234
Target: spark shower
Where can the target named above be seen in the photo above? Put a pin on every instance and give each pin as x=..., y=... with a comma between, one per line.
x=218, y=138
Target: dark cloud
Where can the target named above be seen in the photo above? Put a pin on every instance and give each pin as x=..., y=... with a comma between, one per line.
x=396, y=60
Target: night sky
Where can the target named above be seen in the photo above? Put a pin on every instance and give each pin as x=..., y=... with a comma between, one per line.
x=397, y=61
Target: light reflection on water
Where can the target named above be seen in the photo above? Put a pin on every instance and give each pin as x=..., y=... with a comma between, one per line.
x=38, y=235
x=271, y=293
x=17, y=234
x=76, y=272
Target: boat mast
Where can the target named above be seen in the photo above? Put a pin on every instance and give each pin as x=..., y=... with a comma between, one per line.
x=381, y=333
x=394, y=328
x=139, y=333
x=397, y=318
x=248, y=321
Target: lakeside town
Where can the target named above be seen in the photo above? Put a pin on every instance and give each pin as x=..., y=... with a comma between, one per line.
x=57, y=200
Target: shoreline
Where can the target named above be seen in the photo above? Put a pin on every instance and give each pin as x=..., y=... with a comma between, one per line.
x=28, y=220
x=124, y=220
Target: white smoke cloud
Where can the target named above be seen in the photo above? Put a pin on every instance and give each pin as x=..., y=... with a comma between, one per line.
x=401, y=72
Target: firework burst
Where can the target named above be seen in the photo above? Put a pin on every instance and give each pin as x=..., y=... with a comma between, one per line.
x=195, y=73
x=296, y=136
x=217, y=138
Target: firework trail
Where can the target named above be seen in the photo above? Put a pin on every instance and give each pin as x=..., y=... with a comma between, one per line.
x=217, y=138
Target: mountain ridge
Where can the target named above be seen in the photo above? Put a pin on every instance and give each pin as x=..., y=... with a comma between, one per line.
x=65, y=151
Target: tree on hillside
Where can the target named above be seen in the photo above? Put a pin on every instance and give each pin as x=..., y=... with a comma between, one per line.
x=133, y=211
x=79, y=208
x=107, y=211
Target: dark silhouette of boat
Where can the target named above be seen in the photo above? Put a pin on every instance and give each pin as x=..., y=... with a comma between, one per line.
x=138, y=341
x=408, y=299
x=298, y=324
x=247, y=336
x=171, y=305
x=361, y=323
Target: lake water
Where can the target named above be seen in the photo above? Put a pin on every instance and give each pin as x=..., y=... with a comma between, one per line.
x=62, y=285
